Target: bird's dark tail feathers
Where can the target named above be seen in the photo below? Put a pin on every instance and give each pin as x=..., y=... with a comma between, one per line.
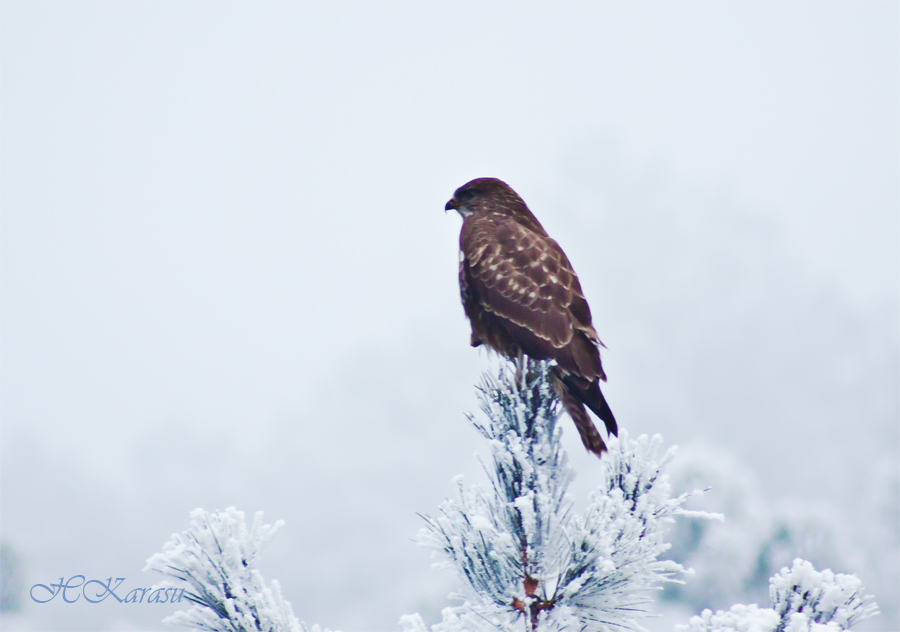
x=574, y=393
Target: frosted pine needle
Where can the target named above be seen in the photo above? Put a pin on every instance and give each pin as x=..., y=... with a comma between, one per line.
x=217, y=557
x=803, y=600
x=525, y=560
x=819, y=597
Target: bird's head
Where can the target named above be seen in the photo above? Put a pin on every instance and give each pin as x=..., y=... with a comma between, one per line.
x=484, y=193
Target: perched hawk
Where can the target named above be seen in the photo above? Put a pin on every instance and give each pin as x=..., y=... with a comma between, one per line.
x=521, y=296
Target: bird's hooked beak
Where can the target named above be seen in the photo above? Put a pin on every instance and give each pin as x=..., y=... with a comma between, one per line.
x=452, y=204
x=459, y=207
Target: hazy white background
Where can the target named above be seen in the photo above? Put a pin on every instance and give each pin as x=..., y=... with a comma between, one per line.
x=227, y=276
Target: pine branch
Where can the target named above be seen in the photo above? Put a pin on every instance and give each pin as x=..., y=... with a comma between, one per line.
x=803, y=599
x=522, y=555
x=217, y=558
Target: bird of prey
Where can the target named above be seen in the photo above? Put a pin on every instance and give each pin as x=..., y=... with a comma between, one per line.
x=522, y=296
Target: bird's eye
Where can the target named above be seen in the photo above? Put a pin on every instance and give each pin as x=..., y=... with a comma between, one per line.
x=467, y=195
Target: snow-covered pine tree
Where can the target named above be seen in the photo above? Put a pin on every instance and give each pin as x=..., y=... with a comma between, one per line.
x=803, y=600
x=526, y=560
x=217, y=558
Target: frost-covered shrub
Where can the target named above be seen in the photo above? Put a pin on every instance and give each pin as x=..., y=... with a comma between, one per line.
x=217, y=557
x=11, y=584
x=739, y=618
x=735, y=559
x=803, y=600
x=880, y=516
x=819, y=597
x=724, y=555
x=807, y=531
x=524, y=557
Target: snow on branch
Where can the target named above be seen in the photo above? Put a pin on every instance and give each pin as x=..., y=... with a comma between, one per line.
x=521, y=552
x=217, y=557
x=804, y=594
x=803, y=599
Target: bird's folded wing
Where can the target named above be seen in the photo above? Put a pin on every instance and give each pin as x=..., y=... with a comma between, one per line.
x=525, y=277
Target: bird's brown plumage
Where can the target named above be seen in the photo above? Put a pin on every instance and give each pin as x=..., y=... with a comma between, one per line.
x=521, y=296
